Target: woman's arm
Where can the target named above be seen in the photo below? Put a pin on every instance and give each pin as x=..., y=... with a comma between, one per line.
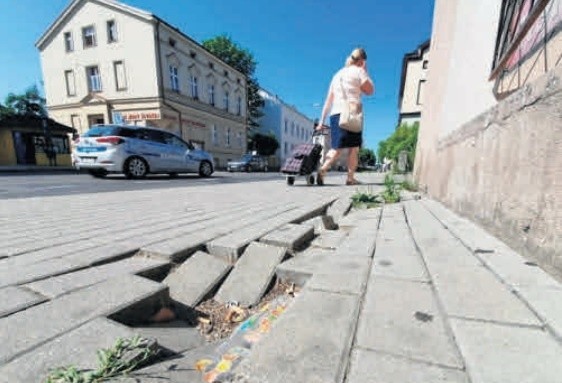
x=326, y=108
x=367, y=85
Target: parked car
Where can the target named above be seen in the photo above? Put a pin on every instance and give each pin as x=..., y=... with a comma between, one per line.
x=248, y=163
x=136, y=151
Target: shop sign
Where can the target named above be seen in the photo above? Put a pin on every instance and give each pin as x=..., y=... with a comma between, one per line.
x=137, y=116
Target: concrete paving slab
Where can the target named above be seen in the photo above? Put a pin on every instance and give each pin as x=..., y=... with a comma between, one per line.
x=396, y=261
x=476, y=294
x=508, y=354
x=62, y=284
x=14, y=299
x=48, y=253
x=339, y=208
x=252, y=274
x=28, y=329
x=310, y=342
x=69, y=263
x=546, y=303
x=176, y=336
x=371, y=366
x=196, y=278
x=291, y=236
x=176, y=249
x=403, y=318
x=299, y=269
x=77, y=347
x=341, y=274
x=329, y=240
x=358, y=217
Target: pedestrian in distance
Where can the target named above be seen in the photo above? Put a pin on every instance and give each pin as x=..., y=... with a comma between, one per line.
x=347, y=86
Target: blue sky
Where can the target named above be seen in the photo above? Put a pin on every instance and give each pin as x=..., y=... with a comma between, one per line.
x=298, y=44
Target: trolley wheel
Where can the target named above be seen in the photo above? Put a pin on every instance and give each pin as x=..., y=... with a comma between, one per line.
x=310, y=180
x=290, y=181
x=319, y=181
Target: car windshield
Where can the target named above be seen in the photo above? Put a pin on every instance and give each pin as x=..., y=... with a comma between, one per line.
x=102, y=131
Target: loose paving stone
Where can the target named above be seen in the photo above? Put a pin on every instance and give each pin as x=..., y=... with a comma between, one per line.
x=403, y=318
x=329, y=240
x=541, y=301
x=66, y=264
x=371, y=366
x=27, y=329
x=176, y=336
x=341, y=274
x=291, y=236
x=299, y=269
x=14, y=299
x=62, y=284
x=230, y=246
x=310, y=342
x=48, y=253
x=77, y=348
x=358, y=217
x=196, y=278
x=507, y=354
x=339, y=208
x=251, y=275
x=360, y=242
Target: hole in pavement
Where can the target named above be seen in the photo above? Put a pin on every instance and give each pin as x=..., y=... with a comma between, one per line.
x=531, y=264
x=423, y=317
x=385, y=262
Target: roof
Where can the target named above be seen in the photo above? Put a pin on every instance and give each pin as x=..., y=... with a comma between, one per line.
x=16, y=121
x=415, y=55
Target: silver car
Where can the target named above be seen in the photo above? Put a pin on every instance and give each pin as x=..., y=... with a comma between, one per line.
x=136, y=151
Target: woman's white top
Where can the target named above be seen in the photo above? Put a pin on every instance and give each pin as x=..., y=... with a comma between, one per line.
x=349, y=78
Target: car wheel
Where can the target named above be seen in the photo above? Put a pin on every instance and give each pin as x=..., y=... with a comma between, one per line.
x=205, y=169
x=98, y=173
x=136, y=167
x=249, y=169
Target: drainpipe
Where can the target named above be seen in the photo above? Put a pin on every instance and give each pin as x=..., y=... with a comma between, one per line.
x=161, y=78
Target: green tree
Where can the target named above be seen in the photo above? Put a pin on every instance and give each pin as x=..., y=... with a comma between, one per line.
x=264, y=144
x=405, y=137
x=367, y=157
x=242, y=60
x=30, y=103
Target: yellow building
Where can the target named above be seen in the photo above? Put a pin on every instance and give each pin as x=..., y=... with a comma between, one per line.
x=104, y=61
x=34, y=141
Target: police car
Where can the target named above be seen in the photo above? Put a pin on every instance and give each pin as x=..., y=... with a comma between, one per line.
x=136, y=151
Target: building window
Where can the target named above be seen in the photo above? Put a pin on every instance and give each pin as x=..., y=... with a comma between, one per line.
x=239, y=105
x=212, y=95
x=286, y=148
x=68, y=42
x=226, y=100
x=94, y=79
x=215, y=135
x=172, y=42
x=425, y=64
x=75, y=121
x=120, y=78
x=286, y=127
x=111, y=31
x=194, y=87
x=239, y=136
x=292, y=128
x=174, y=79
x=421, y=91
x=228, y=137
x=70, y=84
x=89, y=36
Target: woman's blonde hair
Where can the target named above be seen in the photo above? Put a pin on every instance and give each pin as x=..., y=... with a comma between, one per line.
x=356, y=55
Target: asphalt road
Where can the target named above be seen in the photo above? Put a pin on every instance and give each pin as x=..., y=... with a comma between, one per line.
x=20, y=185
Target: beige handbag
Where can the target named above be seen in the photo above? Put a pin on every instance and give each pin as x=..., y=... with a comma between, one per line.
x=351, y=117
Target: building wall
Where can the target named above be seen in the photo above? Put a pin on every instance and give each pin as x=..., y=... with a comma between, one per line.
x=7, y=151
x=495, y=162
x=412, y=99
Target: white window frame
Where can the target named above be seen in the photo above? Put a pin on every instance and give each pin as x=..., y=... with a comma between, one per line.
x=215, y=135
x=286, y=126
x=70, y=83
x=228, y=131
x=94, y=80
x=239, y=105
x=85, y=36
x=212, y=94
x=118, y=85
x=68, y=42
x=112, y=35
x=239, y=136
x=226, y=100
x=174, y=78
x=194, y=85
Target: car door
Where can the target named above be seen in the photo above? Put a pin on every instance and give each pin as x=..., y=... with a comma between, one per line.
x=184, y=154
x=156, y=150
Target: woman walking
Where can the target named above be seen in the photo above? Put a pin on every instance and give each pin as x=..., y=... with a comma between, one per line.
x=347, y=86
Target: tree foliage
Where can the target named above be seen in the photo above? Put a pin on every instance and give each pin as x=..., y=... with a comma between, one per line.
x=405, y=137
x=242, y=60
x=264, y=144
x=367, y=157
x=29, y=103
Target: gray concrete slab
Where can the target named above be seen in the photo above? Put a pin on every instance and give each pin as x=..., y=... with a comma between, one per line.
x=62, y=284
x=508, y=354
x=194, y=279
x=397, y=261
x=77, y=347
x=14, y=299
x=403, y=318
x=176, y=336
x=310, y=342
x=176, y=249
x=28, y=329
x=546, y=303
x=371, y=366
x=329, y=240
x=341, y=274
x=359, y=217
x=48, y=253
x=299, y=269
x=291, y=236
x=339, y=208
x=252, y=274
